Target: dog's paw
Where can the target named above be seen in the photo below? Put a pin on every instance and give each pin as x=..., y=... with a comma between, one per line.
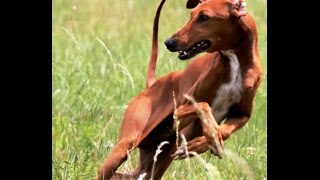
x=216, y=144
x=198, y=145
x=181, y=153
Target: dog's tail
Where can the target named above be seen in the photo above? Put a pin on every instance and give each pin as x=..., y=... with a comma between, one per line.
x=151, y=78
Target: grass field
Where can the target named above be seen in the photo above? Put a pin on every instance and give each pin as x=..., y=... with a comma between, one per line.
x=100, y=52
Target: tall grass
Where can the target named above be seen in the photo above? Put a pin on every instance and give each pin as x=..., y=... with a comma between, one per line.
x=100, y=52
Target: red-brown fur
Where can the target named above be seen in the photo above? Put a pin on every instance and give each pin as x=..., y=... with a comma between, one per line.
x=149, y=117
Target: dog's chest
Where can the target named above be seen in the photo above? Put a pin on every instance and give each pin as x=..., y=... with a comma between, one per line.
x=228, y=93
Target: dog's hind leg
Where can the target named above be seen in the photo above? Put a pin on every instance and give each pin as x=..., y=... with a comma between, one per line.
x=164, y=159
x=134, y=121
x=117, y=156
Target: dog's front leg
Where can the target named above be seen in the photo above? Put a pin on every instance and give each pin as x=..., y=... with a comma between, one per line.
x=200, y=144
x=231, y=125
x=187, y=113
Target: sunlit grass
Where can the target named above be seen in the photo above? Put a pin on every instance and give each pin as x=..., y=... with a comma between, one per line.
x=100, y=52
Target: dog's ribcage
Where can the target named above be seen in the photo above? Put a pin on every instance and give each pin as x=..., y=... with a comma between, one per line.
x=228, y=93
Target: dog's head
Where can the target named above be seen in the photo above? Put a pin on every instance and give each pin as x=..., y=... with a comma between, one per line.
x=213, y=26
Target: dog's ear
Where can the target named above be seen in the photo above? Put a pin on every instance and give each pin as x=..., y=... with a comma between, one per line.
x=238, y=8
x=193, y=3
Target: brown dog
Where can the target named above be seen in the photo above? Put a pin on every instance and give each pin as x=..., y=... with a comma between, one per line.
x=224, y=82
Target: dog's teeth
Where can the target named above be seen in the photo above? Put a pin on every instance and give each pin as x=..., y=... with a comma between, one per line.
x=199, y=45
x=194, y=48
x=185, y=53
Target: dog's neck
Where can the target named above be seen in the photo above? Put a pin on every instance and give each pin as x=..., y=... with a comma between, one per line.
x=247, y=48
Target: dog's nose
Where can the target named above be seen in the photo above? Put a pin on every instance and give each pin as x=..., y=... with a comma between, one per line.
x=171, y=44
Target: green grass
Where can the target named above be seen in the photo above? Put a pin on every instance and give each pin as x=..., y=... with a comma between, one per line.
x=100, y=52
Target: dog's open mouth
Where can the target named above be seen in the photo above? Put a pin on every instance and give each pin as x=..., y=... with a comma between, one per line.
x=194, y=50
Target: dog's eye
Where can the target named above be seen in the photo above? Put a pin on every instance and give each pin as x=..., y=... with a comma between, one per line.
x=203, y=18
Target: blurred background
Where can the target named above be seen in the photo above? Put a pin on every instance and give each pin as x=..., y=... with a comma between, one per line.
x=100, y=53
